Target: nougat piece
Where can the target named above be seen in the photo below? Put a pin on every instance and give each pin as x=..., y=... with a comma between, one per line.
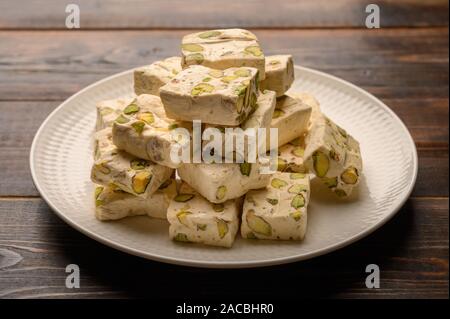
x=334, y=156
x=193, y=219
x=311, y=101
x=221, y=182
x=143, y=130
x=290, y=156
x=260, y=118
x=108, y=110
x=148, y=79
x=112, y=166
x=291, y=118
x=112, y=203
x=223, y=49
x=213, y=96
x=278, y=211
x=279, y=74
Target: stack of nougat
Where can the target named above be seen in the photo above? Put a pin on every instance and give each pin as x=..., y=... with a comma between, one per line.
x=223, y=79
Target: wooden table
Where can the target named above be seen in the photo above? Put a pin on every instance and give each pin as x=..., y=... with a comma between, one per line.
x=405, y=64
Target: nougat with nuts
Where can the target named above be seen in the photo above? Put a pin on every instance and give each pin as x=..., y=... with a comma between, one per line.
x=112, y=203
x=291, y=118
x=143, y=130
x=279, y=74
x=221, y=97
x=136, y=176
x=290, y=156
x=194, y=219
x=221, y=182
x=278, y=211
x=148, y=79
x=108, y=110
x=333, y=155
x=223, y=49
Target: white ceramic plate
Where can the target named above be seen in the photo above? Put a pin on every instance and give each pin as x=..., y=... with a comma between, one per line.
x=61, y=158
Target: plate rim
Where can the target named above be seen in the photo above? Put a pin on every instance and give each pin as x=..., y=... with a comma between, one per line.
x=228, y=264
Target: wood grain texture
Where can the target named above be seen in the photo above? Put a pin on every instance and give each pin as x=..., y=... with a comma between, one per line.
x=411, y=251
x=140, y=14
x=407, y=63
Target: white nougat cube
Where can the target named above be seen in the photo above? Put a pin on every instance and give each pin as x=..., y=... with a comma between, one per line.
x=223, y=49
x=193, y=219
x=278, y=211
x=113, y=203
x=148, y=79
x=279, y=74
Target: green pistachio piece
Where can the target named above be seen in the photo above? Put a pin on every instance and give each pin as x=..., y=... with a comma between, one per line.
x=138, y=126
x=297, y=176
x=102, y=168
x=298, y=151
x=182, y=198
x=245, y=168
x=274, y=62
x=350, y=175
x=331, y=182
x=138, y=164
x=202, y=88
x=297, y=189
x=258, y=224
x=340, y=192
x=131, y=109
x=254, y=50
x=222, y=227
x=201, y=227
x=196, y=58
x=297, y=215
x=98, y=191
x=272, y=201
x=240, y=90
x=181, y=237
x=98, y=202
x=140, y=181
x=321, y=163
x=228, y=79
x=182, y=217
x=277, y=113
x=278, y=183
x=192, y=47
x=242, y=73
x=218, y=208
x=207, y=79
x=122, y=119
x=165, y=184
x=298, y=201
x=221, y=192
x=209, y=34
x=281, y=164
x=147, y=117
x=173, y=126
x=334, y=155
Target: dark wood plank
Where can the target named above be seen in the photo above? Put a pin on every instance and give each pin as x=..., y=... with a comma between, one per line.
x=20, y=121
x=406, y=63
x=25, y=14
x=411, y=251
